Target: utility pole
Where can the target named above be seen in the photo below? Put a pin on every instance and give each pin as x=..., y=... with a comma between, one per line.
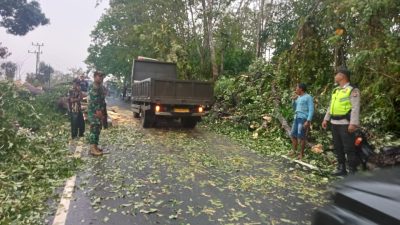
x=37, y=52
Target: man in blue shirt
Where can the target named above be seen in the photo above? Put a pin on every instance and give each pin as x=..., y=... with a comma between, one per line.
x=303, y=104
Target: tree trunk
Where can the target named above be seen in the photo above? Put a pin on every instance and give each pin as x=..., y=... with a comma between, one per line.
x=259, y=29
x=239, y=8
x=267, y=16
x=214, y=65
x=340, y=58
x=205, y=25
x=221, y=70
x=213, y=59
x=340, y=52
x=206, y=41
x=198, y=48
x=279, y=116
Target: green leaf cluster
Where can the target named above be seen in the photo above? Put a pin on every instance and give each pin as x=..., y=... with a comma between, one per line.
x=33, y=162
x=20, y=16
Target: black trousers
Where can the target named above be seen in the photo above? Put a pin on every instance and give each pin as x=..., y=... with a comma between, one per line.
x=104, y=122
x=77, y=124
x=343, y=142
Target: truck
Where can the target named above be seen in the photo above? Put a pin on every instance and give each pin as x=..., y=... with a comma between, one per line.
x=158, y=94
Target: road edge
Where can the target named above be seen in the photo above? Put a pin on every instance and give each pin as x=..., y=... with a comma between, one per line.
x=63, y=207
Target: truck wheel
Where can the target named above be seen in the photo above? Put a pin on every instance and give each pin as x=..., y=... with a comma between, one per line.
x=136, y=115
x=189, y=122
x=147, y=119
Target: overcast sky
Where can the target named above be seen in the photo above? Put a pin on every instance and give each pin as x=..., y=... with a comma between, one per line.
x=66, y=39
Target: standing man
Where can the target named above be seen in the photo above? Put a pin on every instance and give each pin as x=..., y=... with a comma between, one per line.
x=83, y=83
x=74, y=104
x=303, y=104
x=344, y=113
x=95, y=112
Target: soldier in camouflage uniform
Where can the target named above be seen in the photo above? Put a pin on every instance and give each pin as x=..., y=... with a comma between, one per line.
x=96, y=112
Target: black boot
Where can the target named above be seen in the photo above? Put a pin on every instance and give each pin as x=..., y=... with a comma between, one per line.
x=340, y=170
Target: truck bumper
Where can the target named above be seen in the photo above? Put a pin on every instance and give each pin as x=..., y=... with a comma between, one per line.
x=178, y=114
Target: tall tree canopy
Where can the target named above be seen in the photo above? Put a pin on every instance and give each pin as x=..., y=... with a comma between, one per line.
x=20, y=16
x=298, y=40
x=199, y=35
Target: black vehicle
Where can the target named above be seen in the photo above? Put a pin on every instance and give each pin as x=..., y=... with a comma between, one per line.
x=157, y=93
x=364, y=199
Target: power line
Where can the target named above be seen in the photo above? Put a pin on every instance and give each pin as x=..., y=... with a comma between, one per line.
x=37, y=52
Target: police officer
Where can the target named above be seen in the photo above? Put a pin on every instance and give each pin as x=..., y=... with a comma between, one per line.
x=95, y=112
x=344, y=113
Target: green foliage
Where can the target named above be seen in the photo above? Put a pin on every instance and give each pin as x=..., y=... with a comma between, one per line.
x=174, y=31
x=45, y=71
x=9, y=70
x=308, y=39
x=33, y=153
x=4, y=52
x=19, y=16
x=243, y=100
x=374, y=44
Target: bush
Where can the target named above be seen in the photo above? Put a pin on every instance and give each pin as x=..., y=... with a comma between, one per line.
x=33, y=162
x=243, y=100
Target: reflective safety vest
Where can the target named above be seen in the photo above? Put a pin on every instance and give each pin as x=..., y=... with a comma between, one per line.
x=340, y=103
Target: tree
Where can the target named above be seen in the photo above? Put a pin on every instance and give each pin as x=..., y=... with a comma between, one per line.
x=9, y=70
x=30, y=78
x=208, y=23
x=59, y=77
x=20, y=16
x=4, y=52
x=45, y=72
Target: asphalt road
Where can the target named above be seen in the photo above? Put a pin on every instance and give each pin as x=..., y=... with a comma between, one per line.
x=170, y=175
